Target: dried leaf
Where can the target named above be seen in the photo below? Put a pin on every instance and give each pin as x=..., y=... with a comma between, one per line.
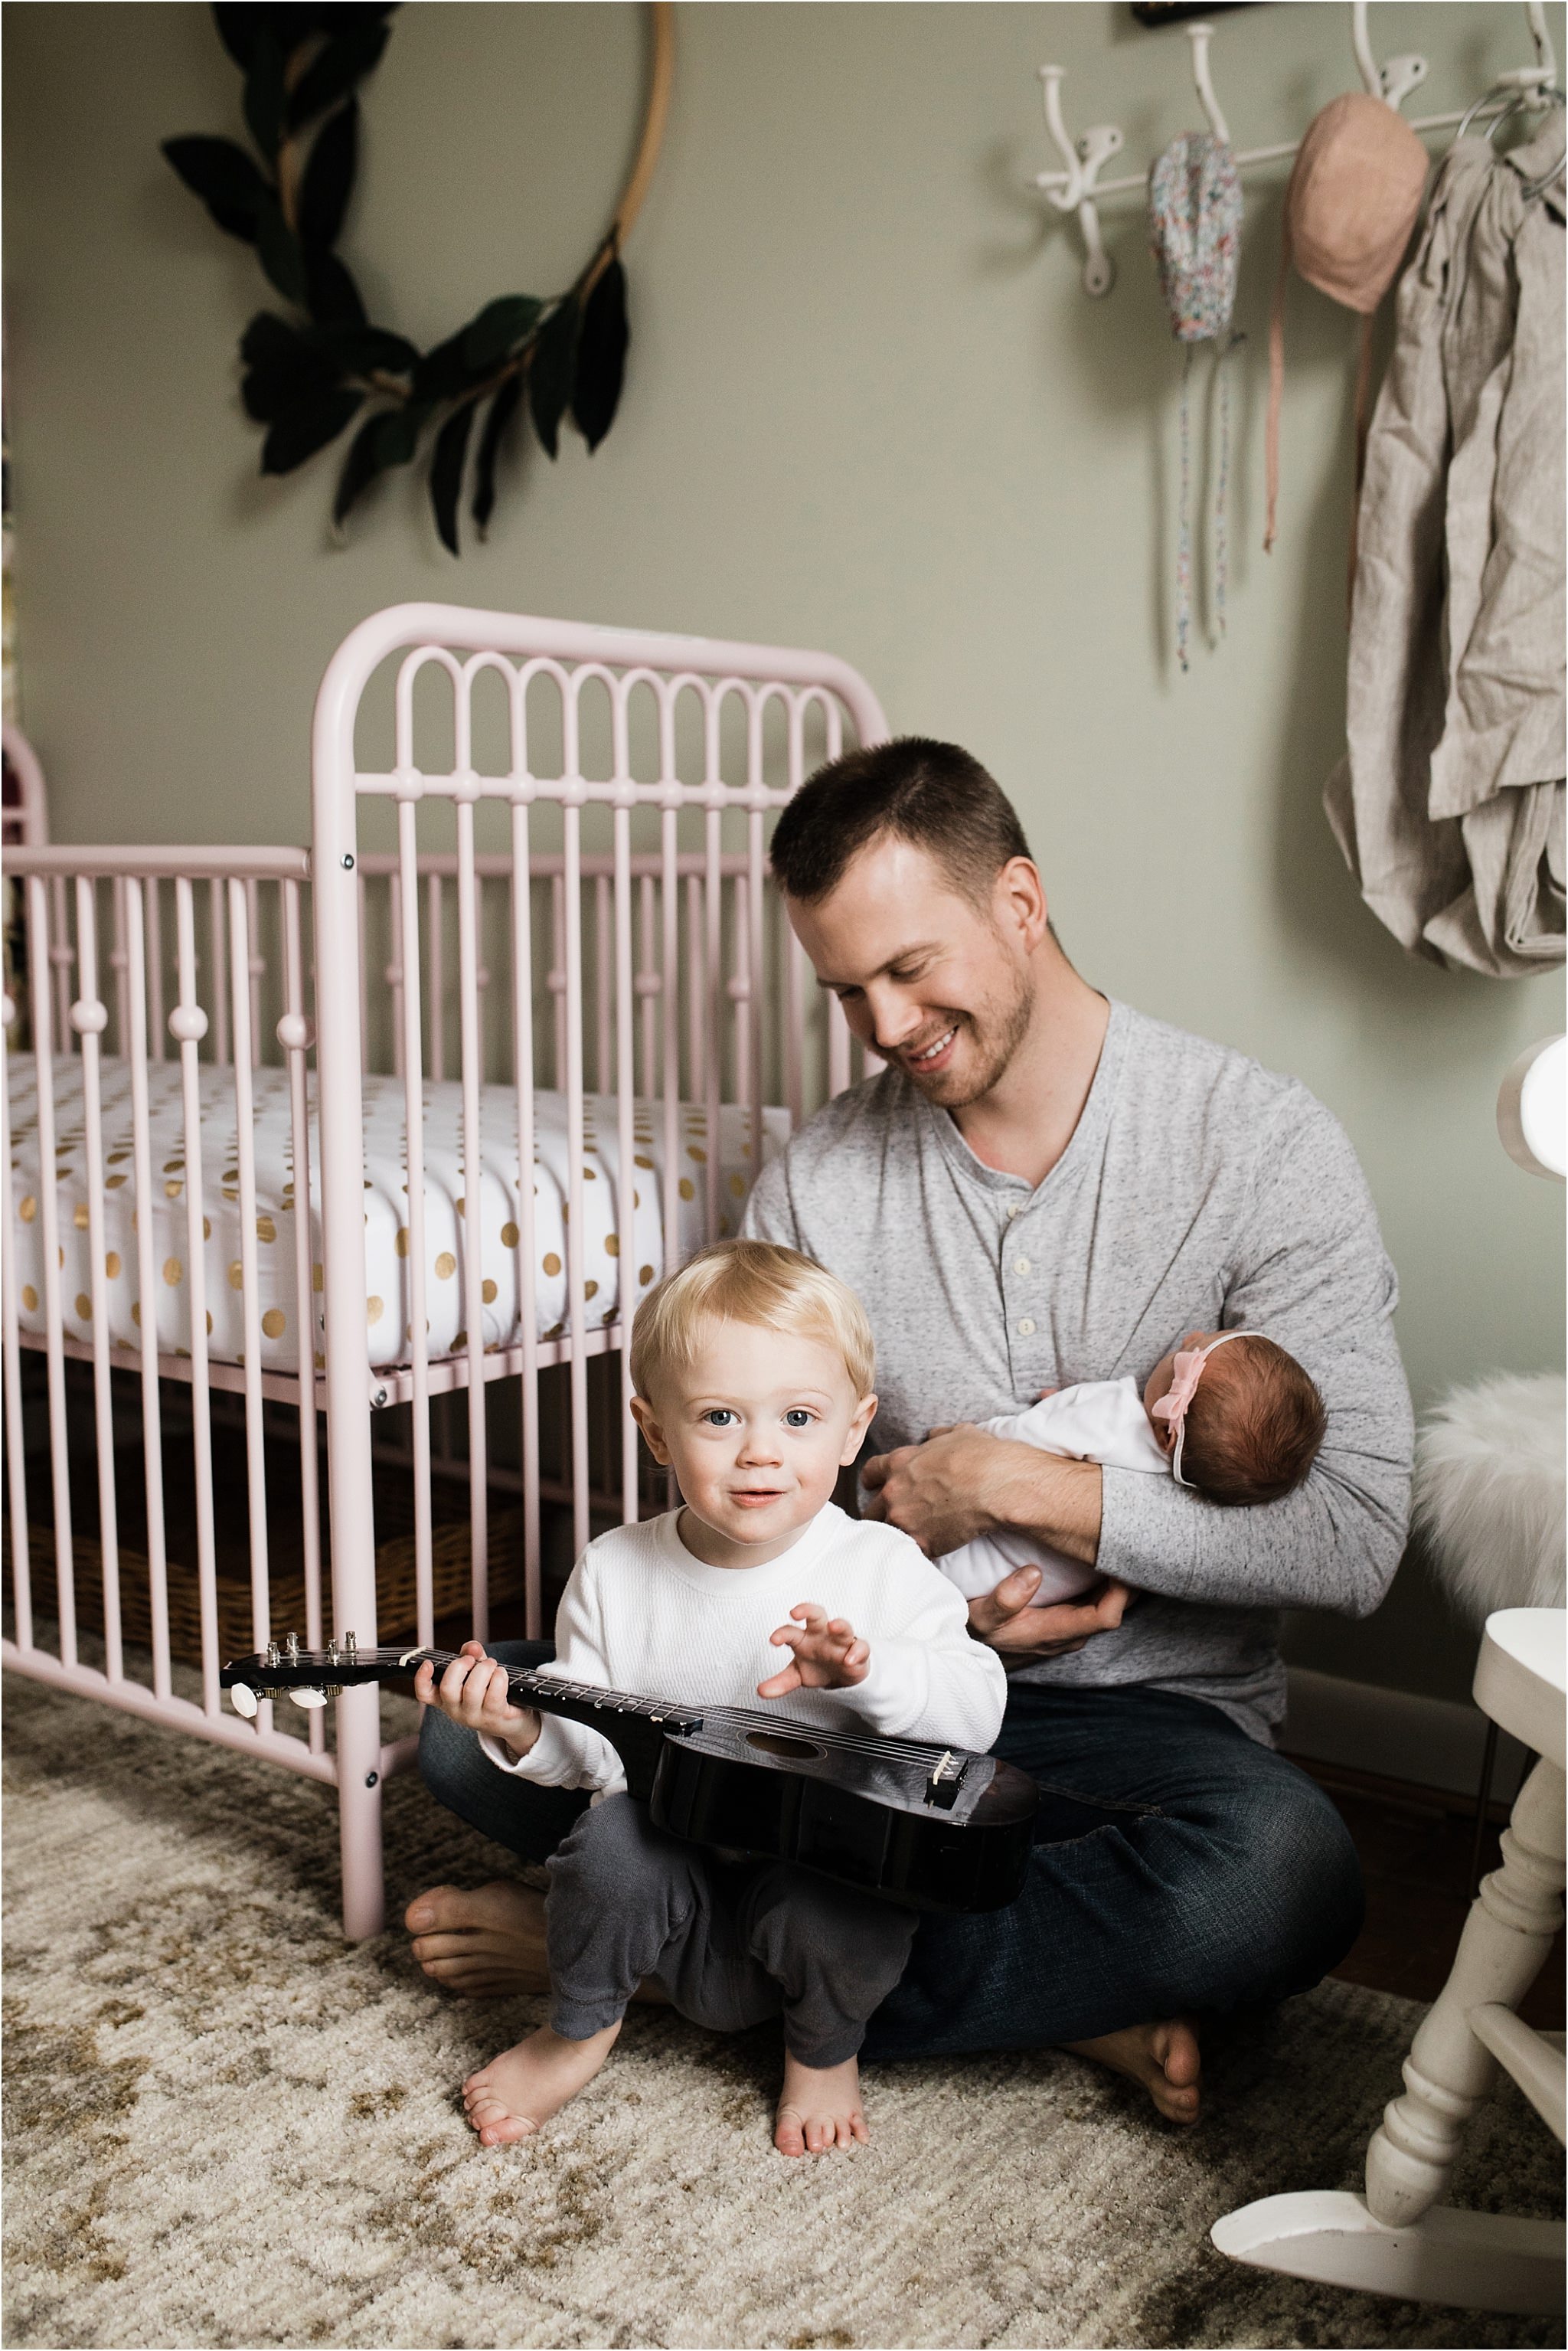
x=600, y=356
x=447, y=472
x=306, y=427
x=503, y=408
x=551, y=372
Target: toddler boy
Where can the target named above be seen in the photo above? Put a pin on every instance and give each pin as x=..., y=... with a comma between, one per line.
x=753, y=1373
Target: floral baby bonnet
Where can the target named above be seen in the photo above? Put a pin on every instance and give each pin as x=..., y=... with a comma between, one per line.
x=1195, y=235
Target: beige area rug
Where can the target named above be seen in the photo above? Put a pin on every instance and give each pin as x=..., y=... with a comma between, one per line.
x=225, y=2127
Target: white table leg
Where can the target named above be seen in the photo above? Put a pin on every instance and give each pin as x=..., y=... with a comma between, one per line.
x=1448, y=2072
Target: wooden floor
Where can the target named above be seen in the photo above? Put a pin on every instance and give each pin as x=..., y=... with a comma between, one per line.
x=1415, y=1847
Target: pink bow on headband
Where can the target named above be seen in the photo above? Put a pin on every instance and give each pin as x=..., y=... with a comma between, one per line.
x=1187, y=1370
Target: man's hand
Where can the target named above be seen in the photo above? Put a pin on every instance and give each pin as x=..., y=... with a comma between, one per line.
x=962, y=1483
x=829, y=1654
x=473, y=1691
x=1022, y=1636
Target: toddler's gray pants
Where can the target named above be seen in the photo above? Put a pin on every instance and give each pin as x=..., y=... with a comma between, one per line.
x=732, y=1943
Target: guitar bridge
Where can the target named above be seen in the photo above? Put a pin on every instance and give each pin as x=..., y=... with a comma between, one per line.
x=946, y=1779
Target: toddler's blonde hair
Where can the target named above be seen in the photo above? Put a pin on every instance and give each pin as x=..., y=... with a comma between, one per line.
x=755, y=1282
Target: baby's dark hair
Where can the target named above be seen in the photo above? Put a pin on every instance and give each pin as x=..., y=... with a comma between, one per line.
x=1254, y=1425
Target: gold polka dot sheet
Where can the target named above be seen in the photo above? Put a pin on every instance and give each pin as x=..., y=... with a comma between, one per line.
x=622, y=1239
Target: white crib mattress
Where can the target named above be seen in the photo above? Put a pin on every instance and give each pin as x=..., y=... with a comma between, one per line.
x=608, y=1248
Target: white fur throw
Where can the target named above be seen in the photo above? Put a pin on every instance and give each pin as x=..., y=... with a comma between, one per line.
x=1489, y=1493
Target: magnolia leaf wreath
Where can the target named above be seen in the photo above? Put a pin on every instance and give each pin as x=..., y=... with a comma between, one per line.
x=310, y=374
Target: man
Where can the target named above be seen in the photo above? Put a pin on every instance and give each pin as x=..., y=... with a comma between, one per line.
x=1044, y=1187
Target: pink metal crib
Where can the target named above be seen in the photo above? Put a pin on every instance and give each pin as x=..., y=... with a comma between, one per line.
x=597, y=910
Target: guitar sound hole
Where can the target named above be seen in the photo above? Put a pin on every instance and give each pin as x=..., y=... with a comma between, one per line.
x=779, y=1742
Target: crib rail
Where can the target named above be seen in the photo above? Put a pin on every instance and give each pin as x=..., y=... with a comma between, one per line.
x=105, y=987
x=538, y=865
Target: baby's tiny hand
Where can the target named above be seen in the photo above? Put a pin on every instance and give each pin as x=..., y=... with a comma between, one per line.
x=473, y=1690
x=827, y=1653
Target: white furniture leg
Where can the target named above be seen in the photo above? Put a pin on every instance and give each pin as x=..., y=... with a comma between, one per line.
x=1398, y=2239
x=1448, y=2071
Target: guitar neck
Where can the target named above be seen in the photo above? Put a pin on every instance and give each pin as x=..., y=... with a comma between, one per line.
x=635, y=1725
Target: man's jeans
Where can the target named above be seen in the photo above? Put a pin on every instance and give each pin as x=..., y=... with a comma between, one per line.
x=1178, y=1867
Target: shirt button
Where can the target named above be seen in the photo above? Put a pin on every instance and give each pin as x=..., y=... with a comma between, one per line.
x=1012, y=1210
x=1025, y=1328
x=1020, y=1265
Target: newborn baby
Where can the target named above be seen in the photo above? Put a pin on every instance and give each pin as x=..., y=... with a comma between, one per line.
x=1228, y=1412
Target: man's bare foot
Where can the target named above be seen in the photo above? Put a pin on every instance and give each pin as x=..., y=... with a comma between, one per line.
x=819, y=2107
x=1163, y=2058
x=488, y=1942
x=509, y=2098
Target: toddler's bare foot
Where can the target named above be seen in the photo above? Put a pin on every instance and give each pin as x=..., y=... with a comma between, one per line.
x=516, y=2091
x=819, y=2107
x=488, y=1943
x=1163, y=2058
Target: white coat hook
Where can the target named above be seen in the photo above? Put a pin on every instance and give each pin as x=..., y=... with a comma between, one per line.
x=1542, y=74
x=1395, y=79
x=1200, y=37
x=1074, y=189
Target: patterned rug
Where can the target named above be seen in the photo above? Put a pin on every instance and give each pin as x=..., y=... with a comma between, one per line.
x=224, y=2128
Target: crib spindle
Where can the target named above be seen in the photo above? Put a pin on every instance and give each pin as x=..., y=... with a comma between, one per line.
x=418, y=1337
x=188, y=1025
x=670, y=907
x=435, y=935
x=527, y=1259
x=625, y=1143
x=90, y=1018
x=576, y=1277
x=755, y=915
x=255, y=965
x=295, y=1036
x=217, y=890
x=61, y=958
x=15, y=1441
x=708, y=1089
x=144, y=1313
x=245, y=1046
x=153, y=902
x=648, y=985
x=603, y=959
x=41, y=973
x=472, y=1213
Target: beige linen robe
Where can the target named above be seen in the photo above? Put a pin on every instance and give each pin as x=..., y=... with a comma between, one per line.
x=1449, y=804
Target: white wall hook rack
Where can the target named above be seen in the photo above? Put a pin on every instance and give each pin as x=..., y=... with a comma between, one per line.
x=1073, y=189
x=1079, y=188
x=1392, y=81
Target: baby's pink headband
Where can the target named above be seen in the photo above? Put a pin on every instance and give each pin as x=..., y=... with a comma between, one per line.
x=1187, y=1370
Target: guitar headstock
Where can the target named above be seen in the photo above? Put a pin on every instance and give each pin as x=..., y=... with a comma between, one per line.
x=310, y=1676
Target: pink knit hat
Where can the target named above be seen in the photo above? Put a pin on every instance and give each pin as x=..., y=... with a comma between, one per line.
x=1354, y=193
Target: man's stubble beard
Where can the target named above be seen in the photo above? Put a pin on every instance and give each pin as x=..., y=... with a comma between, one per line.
x=995, y=1031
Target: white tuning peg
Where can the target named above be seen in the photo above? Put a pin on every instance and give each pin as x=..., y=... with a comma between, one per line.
x=309, y=1698
x=244, y=1701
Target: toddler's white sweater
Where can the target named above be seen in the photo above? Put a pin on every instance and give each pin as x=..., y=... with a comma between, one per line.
x=641, y=1614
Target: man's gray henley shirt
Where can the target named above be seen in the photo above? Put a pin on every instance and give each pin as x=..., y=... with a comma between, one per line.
x=1198, y=1192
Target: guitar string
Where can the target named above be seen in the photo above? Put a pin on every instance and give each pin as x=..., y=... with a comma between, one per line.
x=640, y=1708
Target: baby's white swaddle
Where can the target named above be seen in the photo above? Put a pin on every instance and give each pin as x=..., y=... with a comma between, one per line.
x=1098, y=1420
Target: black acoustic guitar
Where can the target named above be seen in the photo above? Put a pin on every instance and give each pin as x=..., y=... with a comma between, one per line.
x=932, y=1826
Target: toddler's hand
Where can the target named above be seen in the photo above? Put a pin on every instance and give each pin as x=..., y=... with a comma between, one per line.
x=827, y=1653
x=473, y=1691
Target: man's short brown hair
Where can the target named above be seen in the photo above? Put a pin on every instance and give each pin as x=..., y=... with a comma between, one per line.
x=932, y=794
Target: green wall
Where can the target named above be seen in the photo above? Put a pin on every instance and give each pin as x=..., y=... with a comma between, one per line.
x=868, y=408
